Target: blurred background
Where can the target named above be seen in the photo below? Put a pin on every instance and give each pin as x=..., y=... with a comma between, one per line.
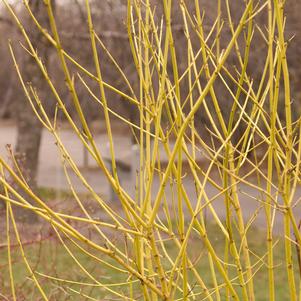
x=20, y=128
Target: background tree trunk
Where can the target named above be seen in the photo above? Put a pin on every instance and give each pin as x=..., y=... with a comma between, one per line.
x=29, y=129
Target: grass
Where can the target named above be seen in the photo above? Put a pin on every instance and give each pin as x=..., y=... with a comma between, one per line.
x=49, y=257
x=49, y=194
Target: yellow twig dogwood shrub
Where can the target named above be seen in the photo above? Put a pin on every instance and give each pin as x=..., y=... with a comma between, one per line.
x=186, y=232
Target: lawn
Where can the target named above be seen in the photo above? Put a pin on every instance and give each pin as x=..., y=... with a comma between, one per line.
x=79, y=277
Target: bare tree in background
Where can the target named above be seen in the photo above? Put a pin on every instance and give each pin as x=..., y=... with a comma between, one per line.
x=110, y=23
x=29, y=130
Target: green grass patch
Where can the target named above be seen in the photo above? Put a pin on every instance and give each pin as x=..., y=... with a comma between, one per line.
x=80, y=277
